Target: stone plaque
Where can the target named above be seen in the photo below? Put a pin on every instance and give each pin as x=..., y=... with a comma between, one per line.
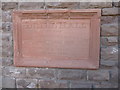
x=57, y=38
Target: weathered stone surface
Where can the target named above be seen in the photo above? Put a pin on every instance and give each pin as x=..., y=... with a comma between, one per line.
x=40, y=73
x=114, y=75
x=62, y=5
x=7, y=50
x=31, y=6
x=109, y=29
x=1, y=39
x=9, y=5
x=0, y=15
x=14, y=72
x=112, y=39
x=26, y=83
x=7, y=61
x=52, y=84
x=7, y=27
x=116, y=4
x=7, y=39
x=87, y=5
x=98, y=75
x=8, y=82
x=7, y=53
x=6, y=16
x=108, y=64
x=0, y=82
x=0, y=53
x=0, y=27
x=1, y=71
x=110, y=11
x=109, y=41
x=119, y=74
x=109, y=53
x=109, y=19
x=0, y=4
x=106, y=85
x=78, y=84
x=71, y=74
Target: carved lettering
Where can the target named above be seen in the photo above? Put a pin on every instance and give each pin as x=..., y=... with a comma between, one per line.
x=53, y=24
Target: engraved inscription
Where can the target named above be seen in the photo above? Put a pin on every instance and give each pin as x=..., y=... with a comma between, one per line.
x=63, y=39
x=53, y=24
x=57, y=38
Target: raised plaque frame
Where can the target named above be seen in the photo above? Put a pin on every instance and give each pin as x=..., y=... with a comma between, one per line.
x=94, y=40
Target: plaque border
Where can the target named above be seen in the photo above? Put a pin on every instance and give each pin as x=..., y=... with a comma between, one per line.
x=92, y=63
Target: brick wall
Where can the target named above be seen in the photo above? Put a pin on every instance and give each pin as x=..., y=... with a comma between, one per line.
x=23, y=77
